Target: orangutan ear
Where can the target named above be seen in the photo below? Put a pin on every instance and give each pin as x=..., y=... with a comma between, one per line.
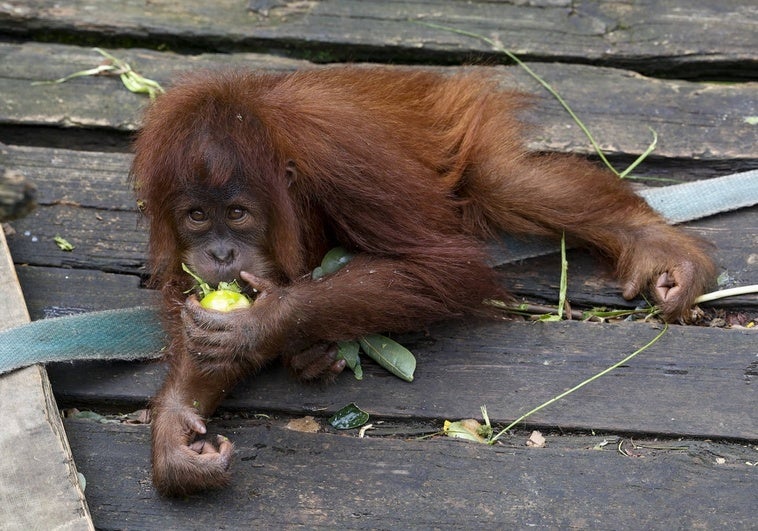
x=290, y=173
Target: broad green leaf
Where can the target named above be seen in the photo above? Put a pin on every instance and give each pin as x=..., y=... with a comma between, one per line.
x=390, y=354
x=334, y=260
x=350, y=416
x=348, y=351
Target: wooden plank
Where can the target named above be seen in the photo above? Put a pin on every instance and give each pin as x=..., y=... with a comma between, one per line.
x=40, y=488
x=12, y=311
x=734, y=237
x=51, y=292
x=674, y=37
x=51, y=289
x=116, y=242
x=284, y=479
x=75, y=178
x=693, y=382
x=103, y=239
x=95, y=102
x=706, y=121
x=84, y=197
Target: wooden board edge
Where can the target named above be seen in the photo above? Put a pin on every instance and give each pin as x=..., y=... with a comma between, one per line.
x=40, y=486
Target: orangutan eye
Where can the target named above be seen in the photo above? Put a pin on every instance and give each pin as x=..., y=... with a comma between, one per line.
x=197, y=215
x=236, y=213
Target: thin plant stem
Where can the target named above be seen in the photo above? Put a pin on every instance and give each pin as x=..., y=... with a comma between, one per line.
x=552, y=91
x=534, y=75
x=579, y=386
x=564, y=278
x=724, y=293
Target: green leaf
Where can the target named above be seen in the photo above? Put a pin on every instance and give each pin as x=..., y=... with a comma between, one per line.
x=350, y=416
x=63, y=244
x=348, y=351
x=229, y=286
x=88, y=415
x=334, y=260
x=91, y=72
x=131, y=79
x=390, y=354
x=387, y=353
x=202, y=285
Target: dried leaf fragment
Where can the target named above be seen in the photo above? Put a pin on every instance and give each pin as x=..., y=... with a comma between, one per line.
x=536, y=440
x=305, y=425
x=467, y=429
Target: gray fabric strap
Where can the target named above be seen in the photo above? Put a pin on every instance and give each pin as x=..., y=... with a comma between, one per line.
x=112, y=334
x=699, y=199
x=136, y=332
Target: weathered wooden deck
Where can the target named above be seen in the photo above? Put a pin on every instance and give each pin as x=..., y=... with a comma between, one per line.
x=683, y=412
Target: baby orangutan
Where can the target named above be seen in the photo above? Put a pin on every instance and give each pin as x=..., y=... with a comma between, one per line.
x=254, y=176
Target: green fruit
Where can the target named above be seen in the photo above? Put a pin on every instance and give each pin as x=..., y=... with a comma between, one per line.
x=224, y=300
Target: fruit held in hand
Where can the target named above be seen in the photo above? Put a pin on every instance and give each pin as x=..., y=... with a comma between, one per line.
x=225, y=300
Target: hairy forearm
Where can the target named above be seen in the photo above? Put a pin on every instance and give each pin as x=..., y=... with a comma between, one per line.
x=373, y=294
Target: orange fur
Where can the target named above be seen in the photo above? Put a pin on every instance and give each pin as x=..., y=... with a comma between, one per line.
x=411, y=170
